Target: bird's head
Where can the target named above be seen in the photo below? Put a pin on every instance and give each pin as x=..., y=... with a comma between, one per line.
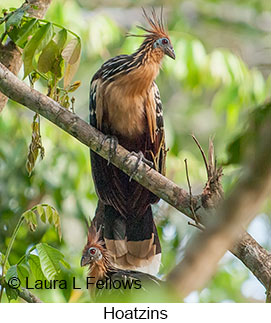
x=156, y=37
x=165, y=46
x=94, y=253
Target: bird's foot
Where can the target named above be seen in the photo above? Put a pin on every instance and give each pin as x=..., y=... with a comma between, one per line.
x=113, y=143
x=140, y=157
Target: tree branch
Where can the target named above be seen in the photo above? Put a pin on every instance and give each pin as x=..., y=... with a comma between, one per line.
x=10, y=54
x=28, y=296
x=204, y=204
x=206, y=249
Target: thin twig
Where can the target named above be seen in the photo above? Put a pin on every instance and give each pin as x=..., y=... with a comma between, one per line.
x=190, y=193
x=197, y=225
x=203, y=154
x=211, y=159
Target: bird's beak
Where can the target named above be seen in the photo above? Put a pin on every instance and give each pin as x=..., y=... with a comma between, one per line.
x=169, y=51
x=84, y=261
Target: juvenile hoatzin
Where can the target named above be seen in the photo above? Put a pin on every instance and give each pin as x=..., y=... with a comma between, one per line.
x=125, y=104
x=101, y=268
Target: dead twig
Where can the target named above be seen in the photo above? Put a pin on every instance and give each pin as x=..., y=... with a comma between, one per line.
x=190, y=193
x=197, y=225
x=203, y=154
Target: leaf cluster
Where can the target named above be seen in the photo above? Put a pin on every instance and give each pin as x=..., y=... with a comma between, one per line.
x=48, y=52
x=44, y=263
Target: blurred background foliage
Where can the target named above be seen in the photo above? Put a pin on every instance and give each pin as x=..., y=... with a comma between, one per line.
x=220, y=74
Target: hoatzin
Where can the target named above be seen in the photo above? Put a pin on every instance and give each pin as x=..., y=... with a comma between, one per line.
x=101, y=269
x=125, y=104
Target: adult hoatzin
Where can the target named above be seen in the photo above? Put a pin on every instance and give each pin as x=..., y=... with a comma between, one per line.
x=125, y=104
x=99, y=260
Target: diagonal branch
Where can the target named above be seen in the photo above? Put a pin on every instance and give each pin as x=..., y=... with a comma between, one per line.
x=28, y=296
x=204, y=205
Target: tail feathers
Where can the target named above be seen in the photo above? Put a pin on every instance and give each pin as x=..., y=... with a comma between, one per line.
x=132, y=241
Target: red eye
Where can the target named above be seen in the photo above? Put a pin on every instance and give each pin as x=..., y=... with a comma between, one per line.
x=92, y=251
x=164, y=41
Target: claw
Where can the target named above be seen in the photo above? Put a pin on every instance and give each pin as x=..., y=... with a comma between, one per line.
x=113, y=143
x=140, y=157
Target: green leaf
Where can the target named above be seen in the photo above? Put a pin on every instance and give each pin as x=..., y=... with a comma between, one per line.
x=17, y=271
x=22, y=272
x=15, y=18
x=56, y=219
x=65, y=263
x=11, y=293
x=48, y=56
x=43, y=217
x=2, y=257
x=35, y=267
x=31, y=219
x=60, y=39
x=40, y=210
x=49, y=213
x=12, y=272
x=40, y=39
x=29, y=28
x=49, y=260
x=58, y=67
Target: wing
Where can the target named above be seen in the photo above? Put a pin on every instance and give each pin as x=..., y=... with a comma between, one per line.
x=103, y=174
x=156, y=146
x=112, y=185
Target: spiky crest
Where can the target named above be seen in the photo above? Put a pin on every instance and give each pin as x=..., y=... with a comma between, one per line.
x=94, y=235
x=156, y=30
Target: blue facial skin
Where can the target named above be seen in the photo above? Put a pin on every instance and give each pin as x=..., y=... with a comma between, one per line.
x=166, y=46
x=161, y=42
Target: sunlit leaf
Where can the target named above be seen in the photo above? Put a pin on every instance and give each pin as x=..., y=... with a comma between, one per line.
x=61, y=38
x=35, y=267
x=40, y=210
x=49, y=260
x=49, y=213
x=17, y=271
x=22, y=272
x=40, y=39
x=12, y=272
x=31, y=219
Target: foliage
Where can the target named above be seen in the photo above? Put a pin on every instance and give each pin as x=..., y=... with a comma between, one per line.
x=211, y=88
x=43, y=266
x=45, y=52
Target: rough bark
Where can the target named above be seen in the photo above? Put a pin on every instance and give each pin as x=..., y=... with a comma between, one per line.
x=203, y=205
x=26, y=295
x=259, y=263
x=10, y=54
